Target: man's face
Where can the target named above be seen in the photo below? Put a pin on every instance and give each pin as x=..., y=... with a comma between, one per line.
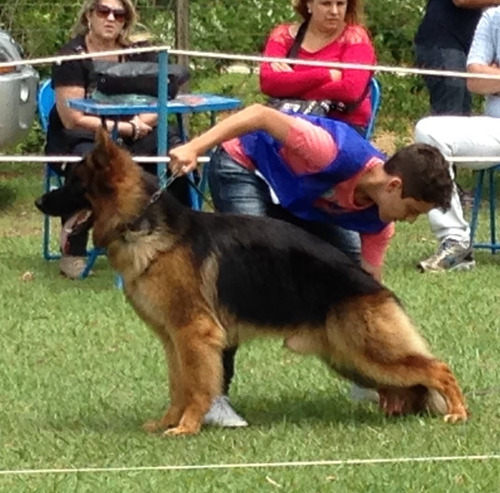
x=392, y=207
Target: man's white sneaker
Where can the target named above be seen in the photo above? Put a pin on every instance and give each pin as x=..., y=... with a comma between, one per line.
x=362, y=394
x=222, y=414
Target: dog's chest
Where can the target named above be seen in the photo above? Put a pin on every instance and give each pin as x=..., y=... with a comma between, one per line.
x=143, y=297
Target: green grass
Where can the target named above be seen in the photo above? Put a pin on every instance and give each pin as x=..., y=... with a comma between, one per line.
x=80, y=373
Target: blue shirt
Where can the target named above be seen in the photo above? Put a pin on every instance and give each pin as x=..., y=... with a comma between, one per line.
x=299, y=193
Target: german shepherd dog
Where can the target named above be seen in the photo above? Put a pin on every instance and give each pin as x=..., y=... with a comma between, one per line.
x=204, y=281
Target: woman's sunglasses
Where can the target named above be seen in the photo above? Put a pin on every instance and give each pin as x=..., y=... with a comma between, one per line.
x=103, y=11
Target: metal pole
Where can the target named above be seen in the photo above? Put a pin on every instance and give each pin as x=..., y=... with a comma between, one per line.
x=162, y=114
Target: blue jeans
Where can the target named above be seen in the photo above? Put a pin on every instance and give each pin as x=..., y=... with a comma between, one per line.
x=448, y=95
x=237, y=190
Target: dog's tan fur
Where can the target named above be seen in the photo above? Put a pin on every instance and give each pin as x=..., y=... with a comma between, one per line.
x=369, y=335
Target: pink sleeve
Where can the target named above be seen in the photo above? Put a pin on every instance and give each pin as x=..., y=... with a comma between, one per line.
x=287, y=84
x=374, y=245
x=308, y=148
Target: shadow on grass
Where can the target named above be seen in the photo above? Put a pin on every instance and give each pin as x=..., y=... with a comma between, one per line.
x=47, y=272
x=317, y=410
x=8, y=196
x=314, y=409
x=485, y=257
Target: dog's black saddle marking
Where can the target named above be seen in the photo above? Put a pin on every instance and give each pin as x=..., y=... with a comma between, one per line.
x=271, y=273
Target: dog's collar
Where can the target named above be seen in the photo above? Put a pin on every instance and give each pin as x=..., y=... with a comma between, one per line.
x=136, y=223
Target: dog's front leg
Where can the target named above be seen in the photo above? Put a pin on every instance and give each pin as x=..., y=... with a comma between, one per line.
x=174, y=412
x=199, y=350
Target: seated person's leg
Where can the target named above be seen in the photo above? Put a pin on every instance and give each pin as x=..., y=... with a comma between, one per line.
x=456, y=136
x=74, y=246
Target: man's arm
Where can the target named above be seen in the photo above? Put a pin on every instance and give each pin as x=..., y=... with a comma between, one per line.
x=483, y=56
x=255, y=117
x=373, y=248
x=483, y=86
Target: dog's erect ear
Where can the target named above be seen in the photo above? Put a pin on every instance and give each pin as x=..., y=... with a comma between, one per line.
x=105, y=149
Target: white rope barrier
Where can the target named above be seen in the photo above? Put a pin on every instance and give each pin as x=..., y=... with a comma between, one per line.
x=244, y=58
x=250, y=465
x=77, y=159
x=250, y=58
x=15, y=158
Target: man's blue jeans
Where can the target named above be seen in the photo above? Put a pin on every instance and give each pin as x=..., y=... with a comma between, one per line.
x=448, y=95
x=237, y=190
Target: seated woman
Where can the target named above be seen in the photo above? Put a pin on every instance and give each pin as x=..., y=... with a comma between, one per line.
x=333, y=33
x=102, y=25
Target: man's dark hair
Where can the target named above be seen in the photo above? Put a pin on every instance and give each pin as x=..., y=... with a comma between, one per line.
x=425, y=174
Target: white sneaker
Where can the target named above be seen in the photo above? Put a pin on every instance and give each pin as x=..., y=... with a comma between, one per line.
x=451, y=255
x=222, y=414
x=362, y=394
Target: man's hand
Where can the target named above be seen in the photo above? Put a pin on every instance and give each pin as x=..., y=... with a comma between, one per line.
x=375, y=271
x=183, y=159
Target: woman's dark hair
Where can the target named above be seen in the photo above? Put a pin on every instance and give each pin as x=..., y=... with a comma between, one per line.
x=354, y=13
x=425, y=174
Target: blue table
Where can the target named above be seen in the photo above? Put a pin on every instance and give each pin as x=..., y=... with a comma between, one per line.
x=182, y=104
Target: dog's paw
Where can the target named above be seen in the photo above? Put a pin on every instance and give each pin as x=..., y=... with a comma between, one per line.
x=181, y=431
x=458, y=417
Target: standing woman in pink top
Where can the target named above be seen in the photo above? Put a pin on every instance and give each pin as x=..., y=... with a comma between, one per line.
x=333, y=33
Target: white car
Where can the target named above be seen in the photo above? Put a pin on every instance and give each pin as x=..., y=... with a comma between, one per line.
x=18, y=89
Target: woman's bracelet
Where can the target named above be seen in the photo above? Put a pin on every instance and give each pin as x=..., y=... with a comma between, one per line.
x=135, y=129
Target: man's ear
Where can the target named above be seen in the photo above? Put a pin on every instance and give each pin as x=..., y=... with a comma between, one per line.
x=394, y=184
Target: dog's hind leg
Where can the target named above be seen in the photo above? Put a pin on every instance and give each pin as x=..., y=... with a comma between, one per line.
x=173, y=414
x=199, y=350
x=374, y=338
x=414, y=371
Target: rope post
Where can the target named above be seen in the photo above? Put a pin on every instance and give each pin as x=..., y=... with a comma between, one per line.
x=162, y=115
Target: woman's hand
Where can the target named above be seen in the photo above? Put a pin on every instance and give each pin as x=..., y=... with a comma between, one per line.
x=281, y=67
x=335, y=74
x=141, y=129
x=183, y=159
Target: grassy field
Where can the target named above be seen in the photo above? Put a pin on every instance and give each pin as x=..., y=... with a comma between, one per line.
x=80, y=373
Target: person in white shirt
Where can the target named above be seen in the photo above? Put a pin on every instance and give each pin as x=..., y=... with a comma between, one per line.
x=466, y=136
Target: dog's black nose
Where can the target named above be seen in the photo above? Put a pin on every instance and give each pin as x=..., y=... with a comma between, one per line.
x=39, y=203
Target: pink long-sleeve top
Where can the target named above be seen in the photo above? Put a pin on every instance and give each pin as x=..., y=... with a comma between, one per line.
x=314, y=83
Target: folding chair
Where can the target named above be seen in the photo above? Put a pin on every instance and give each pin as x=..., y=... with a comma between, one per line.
x=493, y=244
x=376, y=100
x=46, y=100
